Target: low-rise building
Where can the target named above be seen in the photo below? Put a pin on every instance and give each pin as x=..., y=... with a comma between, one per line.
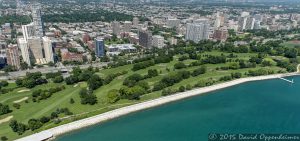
x=116, y=49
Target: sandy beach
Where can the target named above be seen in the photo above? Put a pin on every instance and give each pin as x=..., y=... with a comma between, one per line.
x=50, y=133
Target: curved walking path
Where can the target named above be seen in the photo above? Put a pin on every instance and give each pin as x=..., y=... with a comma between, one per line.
x=140, y=106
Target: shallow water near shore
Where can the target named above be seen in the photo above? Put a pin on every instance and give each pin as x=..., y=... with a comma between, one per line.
x=269, y=106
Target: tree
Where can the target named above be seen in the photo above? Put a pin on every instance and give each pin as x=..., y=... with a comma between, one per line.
x=188, y=87
x=34, y=124
x=52, y=74
x=71, y=80
x=143, y=65
x=23, y=66
x=44, y=119
x=105, y=59
x=93, y=56
x=4, y=83
x=291, y=53
x=28, y=83
x=266, y=63
x=85, y=75
x=76, y=71
x=152, y=73
x=72, y=101
x=19, y=82
x=16, y=105
x=113, y=96
x=9, y=68
x=54, y=115
x=58, y=79
x=20, y=128
x=131, y=80
x=132, y=93
x=4, y=109
x=87, y=97
x=199, y=71
x=181, y=89
x=4, y=138
x=236, y=75
x=14, y=125
x=180, y=65
x=94, y=82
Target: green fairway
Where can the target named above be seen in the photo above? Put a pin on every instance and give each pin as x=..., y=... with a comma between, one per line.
x=62, y=99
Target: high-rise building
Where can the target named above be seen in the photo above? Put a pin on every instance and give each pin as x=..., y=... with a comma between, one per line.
x=220, y=19
x=257, y=24
x=246, y=23
x=250, y=23
x=12, y=54
x=173, y=22
x=35, y=49
x=197, y=31
x=258, y=17
x=24, y=50
x=242, y=23
x=135, y=22
x=116, y=27
x=158, y=41
x=48, y=50
x=28, y=31
x=99, y=48
x=127, y=26
x=220, y=34
x=145, y=38
x=37, y=20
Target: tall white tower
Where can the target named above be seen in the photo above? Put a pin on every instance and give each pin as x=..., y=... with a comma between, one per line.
x=37, y=19
x=47, y=44
x=197, y=31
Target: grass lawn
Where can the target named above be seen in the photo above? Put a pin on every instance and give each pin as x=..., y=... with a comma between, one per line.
x=291, y=44
x=61, y=99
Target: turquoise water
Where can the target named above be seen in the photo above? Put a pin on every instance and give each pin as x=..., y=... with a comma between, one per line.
x=271, y=106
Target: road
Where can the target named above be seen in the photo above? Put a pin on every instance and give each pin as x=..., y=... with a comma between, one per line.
x=16, y=74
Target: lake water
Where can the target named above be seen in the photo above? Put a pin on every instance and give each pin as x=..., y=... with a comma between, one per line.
x=270, y=106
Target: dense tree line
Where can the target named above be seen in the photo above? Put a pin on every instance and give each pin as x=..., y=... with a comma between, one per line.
x=56, y=77
x=143, y=65
x=259, y=72
x=40, y=94
x=134, y=93
x=214, y=59
x=79, y=75
x=31, y=80
x=133, y=79
x=34, y=124
x=179, y=65
x=14, y=19
x=111, y=77
x=84, y=16
x=171, y=80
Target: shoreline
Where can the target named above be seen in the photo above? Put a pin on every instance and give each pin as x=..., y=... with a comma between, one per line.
x=65, y=128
